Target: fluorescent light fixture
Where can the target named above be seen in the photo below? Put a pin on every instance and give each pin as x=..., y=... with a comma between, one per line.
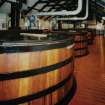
x=78, y=18
x=75, y=12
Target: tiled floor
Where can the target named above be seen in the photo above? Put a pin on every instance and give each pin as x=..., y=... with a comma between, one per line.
x=90, y=75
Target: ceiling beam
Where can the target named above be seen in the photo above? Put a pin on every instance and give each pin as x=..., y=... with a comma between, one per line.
x=56, y=3
x=58, y=6
x=48, y=3
x=37, y=9
x=53, y=6
x=30, y=9
x=66, y=5
x=44, y=6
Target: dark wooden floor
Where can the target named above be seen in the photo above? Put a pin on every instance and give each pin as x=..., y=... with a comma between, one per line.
x=90, y=75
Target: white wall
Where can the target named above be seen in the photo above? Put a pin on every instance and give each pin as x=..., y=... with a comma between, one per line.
x=3, y=21
x=44, y=24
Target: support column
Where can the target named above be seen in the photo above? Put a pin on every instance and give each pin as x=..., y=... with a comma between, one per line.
x=15, y=16
x=59, y=25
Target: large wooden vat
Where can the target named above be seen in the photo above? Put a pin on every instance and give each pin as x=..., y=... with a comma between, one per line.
x=90, y=36
x=36, y=73
x=81, y=46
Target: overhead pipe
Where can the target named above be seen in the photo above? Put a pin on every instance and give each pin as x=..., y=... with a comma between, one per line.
x=78, y=18
x=75, y=12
